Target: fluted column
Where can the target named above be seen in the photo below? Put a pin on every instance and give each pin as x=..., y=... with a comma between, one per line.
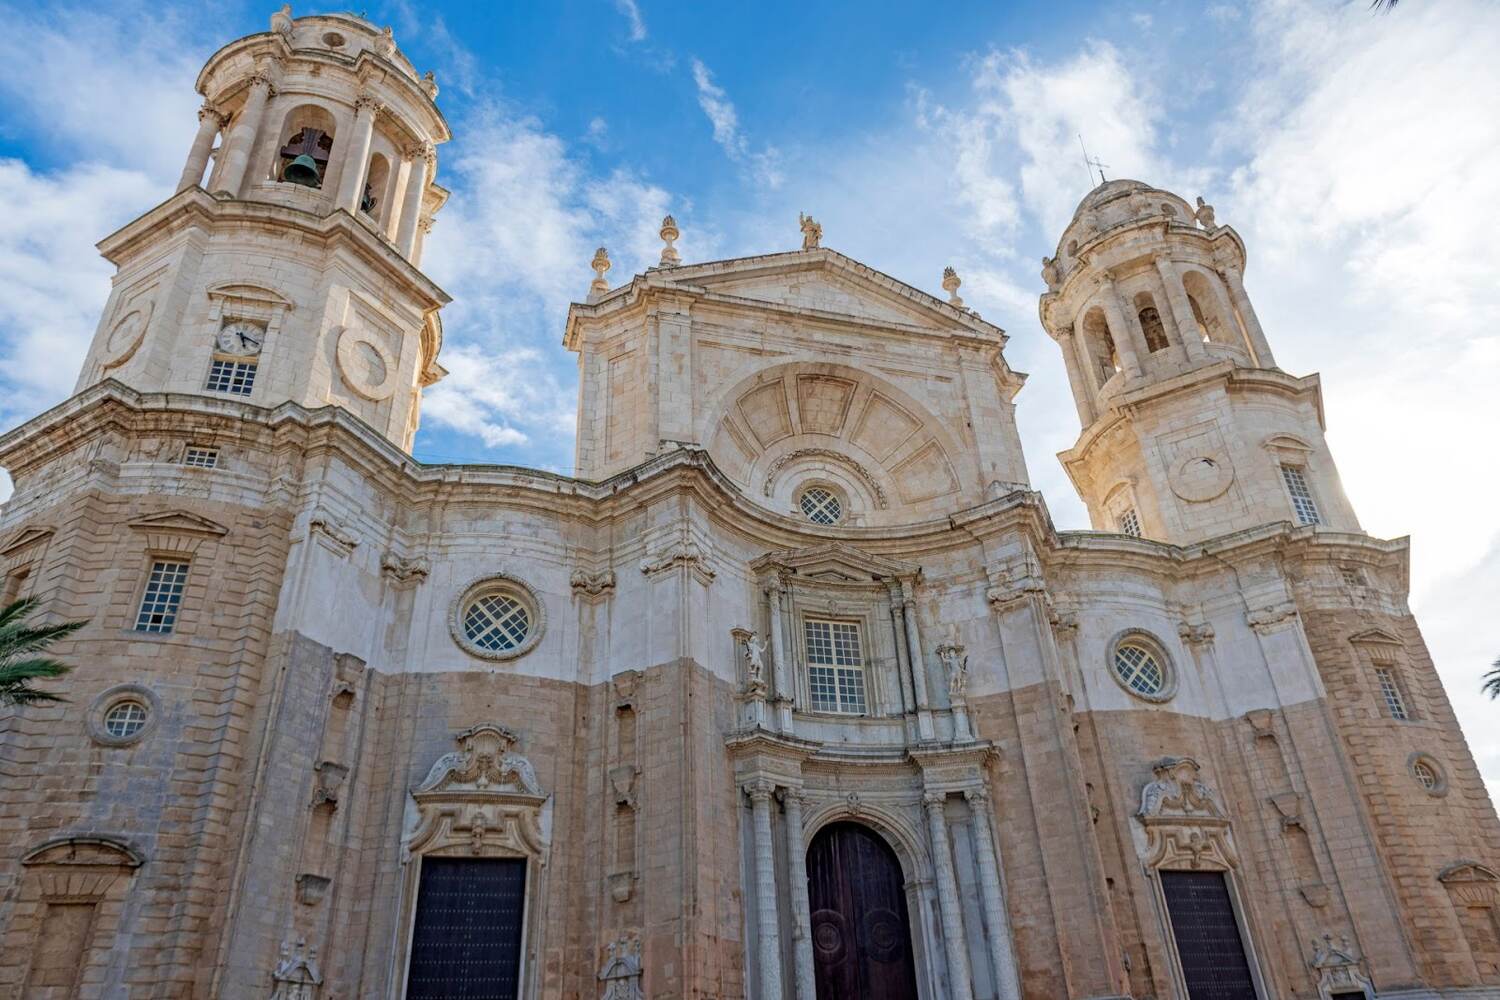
x=1182, y=312
x=760, y=793
x=241, y=141
x=209, y=123
x=956, y=946
x=1253, y=330
x=781, y=698
x=1007, y=979
x=1083, y=397
x=357, y=154
x=422, y=158
x=918, y=662
x=801, y=907
x=1121, y=328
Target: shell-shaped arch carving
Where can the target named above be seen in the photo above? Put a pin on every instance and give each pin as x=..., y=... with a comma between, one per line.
x=803, y=420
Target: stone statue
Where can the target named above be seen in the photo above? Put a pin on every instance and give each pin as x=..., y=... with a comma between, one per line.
x=812, y=232
x=1050, y=274
x=1205, y=214
x=281, y=21
x=957, y=666
x=429, y=85
x=755, y=657
x=387, y=44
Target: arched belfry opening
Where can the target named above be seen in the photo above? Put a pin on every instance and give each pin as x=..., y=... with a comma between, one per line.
x=861, y=930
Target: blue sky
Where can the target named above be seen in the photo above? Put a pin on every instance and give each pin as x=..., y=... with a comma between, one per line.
x=1357, y=155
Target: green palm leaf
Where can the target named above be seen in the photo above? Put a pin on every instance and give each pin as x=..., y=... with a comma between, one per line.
x=1491, y=684
x=20, y=664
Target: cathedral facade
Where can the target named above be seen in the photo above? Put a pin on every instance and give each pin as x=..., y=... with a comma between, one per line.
x=792, y=690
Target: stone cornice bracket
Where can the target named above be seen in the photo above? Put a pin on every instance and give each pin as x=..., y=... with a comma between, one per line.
x=593, y=587
x=1185, y=828
x=1064, y=623
x=325, y=528
x=1262, y=722
x=683, y=552
x=1195, y=633
x=1272, y=617
x=403, y=572
x=1015, y=581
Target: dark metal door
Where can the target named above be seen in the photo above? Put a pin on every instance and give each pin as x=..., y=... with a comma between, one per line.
x=466, y=942
x=860, y=932
x=1208, y=936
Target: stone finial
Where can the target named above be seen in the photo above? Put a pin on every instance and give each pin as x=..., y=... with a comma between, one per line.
x=1204, y=215
x=281, y=21
x=669, y=233
x=1050, y=273
x=951, y=281
x=387, y=43
x=598, y=287
x=812, y=232
x=429, y=85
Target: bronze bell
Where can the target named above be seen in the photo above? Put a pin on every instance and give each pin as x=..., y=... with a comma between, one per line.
x=303, y=170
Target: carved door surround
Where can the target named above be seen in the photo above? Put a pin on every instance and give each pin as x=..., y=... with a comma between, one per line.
x=1188, y=831
x=480, y=801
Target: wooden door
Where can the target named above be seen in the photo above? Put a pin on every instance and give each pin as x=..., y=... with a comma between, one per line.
x=1209, y=943
x=860, y=931
x=466, y=939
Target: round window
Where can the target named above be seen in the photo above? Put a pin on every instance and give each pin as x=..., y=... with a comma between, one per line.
x=125, y=720
x=1429, y=774
x=1141, y=667
x=497, y=617
x=821, y=505
x=496, y=622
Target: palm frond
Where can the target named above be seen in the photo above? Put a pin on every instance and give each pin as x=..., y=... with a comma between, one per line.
x=1491, y=685
x=16, y=678
x=20, y=644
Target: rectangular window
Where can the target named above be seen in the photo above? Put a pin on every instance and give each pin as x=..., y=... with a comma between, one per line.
x=61, y=949
x=1302, y=498
x=15, y=583
x=201, y=458
x=1395, y=701
x=162, y=598
x=1130, y=523
x=466, y=936
x=835, y=666
x=234, y=377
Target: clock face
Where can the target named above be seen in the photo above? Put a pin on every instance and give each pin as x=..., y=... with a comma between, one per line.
x=241, y=338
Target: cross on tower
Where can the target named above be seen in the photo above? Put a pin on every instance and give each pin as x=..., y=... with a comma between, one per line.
x=311, y=142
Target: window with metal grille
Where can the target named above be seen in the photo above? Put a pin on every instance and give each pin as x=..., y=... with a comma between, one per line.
x=821, y=506
x=1353, y=576
x=835, y=666
x=201, y=458
x=125, y=719
x=496, y=622
x=1130, y=523
x=1425, y=774
x=1390, y=690
x=1303, y=503
x=162, y=598
x=1210, y=945
x=1139, y=669
x=234, y=377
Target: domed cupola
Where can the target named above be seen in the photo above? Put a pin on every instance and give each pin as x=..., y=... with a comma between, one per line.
x=1189, y=428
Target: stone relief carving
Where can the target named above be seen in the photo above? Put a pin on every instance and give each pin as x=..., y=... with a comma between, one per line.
x=326, y=528
x=621, y=974
x=1268, y=618
x=297, y=976
x=1185, y=828
x=683, y=552
x=593, y=586
x=402, y=571
x=1338, y=969
x=844, y=461
x=484, y=795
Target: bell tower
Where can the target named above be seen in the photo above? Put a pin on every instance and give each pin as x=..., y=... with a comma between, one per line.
x=285, y=268
x=1189, y=429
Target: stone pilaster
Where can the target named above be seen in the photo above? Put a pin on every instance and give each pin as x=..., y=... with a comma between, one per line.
x=801, y=907
x=760, y=793
x=992, y=895
x=955, y=944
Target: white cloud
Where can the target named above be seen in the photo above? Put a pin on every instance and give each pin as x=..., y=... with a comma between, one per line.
x=764, y=165
x=632, y=13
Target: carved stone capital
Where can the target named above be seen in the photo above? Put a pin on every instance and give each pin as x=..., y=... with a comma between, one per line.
x=934, y=800
x=210, y=113
x=760, y=789
x=1195, y=633
x=368, y=104
x=593, y=587
x=1271, y=617
x=403, y=572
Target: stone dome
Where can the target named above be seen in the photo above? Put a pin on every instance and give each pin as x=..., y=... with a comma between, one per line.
x=1116, y=203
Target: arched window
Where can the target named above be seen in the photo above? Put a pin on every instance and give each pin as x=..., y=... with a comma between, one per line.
x=304, y=147
x=1151, y=324
x=373, y=200
x=1101, y=346
x=1202, y=301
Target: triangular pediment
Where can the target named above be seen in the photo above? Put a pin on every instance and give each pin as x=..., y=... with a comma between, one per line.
x=180, y=521
x=1377, y=635
x=836, y=562
x=828, y=283
x=25, y=538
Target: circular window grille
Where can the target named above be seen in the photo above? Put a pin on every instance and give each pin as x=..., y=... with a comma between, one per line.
x=821, y=506
x=125, y=720
x=1427, y=775
x=1139, y=669
x=496, y=622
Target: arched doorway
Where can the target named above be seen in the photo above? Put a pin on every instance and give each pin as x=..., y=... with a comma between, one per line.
x=860, y=931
